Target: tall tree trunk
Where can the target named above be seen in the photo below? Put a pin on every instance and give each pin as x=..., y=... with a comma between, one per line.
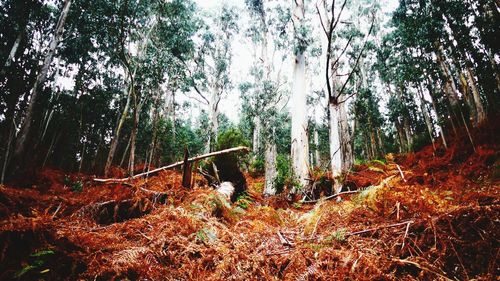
x=408, y=134
x=317, y=158
x=481, y=115
x=345, y=139
x=401, y=137
x=434, y=107
x=335, y=148
x=40, y=80
x=299, y=142
x=13, y=51
x=7, y=152
x=256, y=135
x=125, y=152
x=270, y=166
x=133, y=135
x=425, y=113
x=116, y=135
x=450, y=82
x=213, y=119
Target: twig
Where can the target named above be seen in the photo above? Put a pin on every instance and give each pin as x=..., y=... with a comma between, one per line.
x=57, y=210
x=401, y=173
x=285, y=241
x=406, y=234
x=422, y=267
x=332, y=196
x=286, y=251
x=377, y=228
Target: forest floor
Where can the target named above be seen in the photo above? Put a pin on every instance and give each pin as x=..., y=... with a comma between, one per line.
x=437, y=219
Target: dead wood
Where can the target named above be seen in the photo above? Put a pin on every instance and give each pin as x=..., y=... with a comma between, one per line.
x=380, y=227
x=331, y=196
x=177, y=164
x=186, y=170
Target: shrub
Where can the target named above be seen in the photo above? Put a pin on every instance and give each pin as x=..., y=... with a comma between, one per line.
x=257, y=166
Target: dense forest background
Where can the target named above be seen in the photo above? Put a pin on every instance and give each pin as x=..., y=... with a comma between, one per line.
x=91, y=85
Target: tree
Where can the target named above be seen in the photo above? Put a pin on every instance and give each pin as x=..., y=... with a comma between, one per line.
x=20, y=146
x=299, y=134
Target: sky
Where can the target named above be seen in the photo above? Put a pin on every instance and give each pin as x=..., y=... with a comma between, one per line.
x=242, y=57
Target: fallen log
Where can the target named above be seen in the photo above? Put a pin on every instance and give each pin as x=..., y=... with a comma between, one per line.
x=177, y=164
x=330, y=197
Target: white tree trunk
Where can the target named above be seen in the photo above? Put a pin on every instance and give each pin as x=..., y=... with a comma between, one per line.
x=481, y=115
x=13, y=50
x=317, y=158
x=213, y=117
x=345, y=139
x=425, y=113
x=256, y=135
x=116, y=134
x=335, y=149
x=40, y=80
x=300, y=144
x=270, y=173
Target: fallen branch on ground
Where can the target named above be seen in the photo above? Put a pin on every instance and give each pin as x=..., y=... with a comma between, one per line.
x=331, y=196
x=177, y=164
x=401, y=173
x=425, y=268
x=284, y=240
x=380, y=227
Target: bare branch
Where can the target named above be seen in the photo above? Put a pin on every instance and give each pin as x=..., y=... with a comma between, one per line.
x=356, y=64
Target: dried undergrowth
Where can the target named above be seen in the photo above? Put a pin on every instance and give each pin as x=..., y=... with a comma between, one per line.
x=438, y=223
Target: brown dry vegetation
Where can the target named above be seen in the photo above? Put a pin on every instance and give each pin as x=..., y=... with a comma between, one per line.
x=448, y=210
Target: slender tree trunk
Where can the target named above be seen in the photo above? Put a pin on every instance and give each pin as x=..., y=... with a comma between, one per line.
x=55, y=139
x=270, y=173
x=256, y=135
x=427, y=118
x=152, y=146
x=116, y=135
x=481, y=115
x=40, y=80
x=335, y=148
x=7, y=152
x=13, y=51
x=434, y=107
x=452, y=93
x=299, y=141
x=317, y=158
x=407, y=130
x=125, y=153
x=82, y=156
x=133, y=135
x=213, y=119
x=402, y=143
x=345, y=139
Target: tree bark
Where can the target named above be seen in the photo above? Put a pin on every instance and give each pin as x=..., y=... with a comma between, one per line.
x=317, y=158
x=425, y=113
x=40, y=80
x=434, y=107
x=452, y=93
x=335, y=149
x=345, y=140
x=481, y=115
x=213, y=118
x=270, y=170
x=116, y=135
x=299, y=141
x=13, y=51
